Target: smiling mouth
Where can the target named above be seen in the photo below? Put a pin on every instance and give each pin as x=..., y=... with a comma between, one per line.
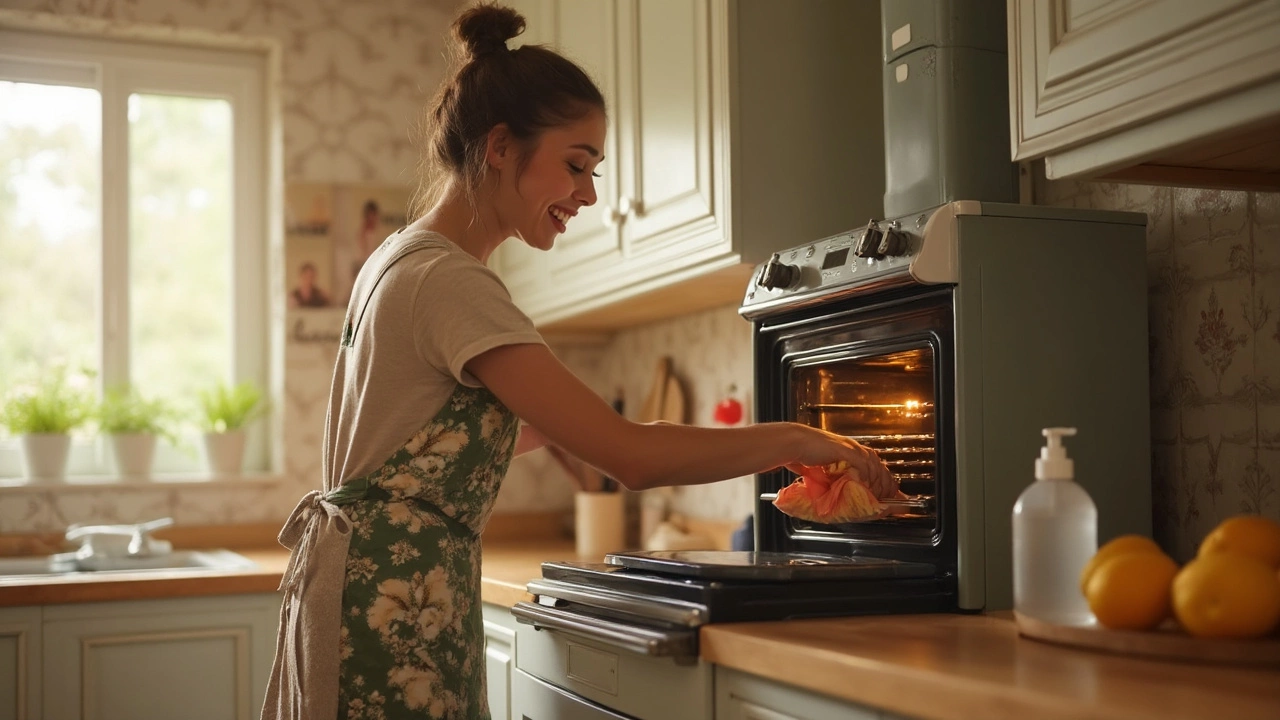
x=561, y=218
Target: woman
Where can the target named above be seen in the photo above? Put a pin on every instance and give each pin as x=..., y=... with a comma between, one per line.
x=435, y=371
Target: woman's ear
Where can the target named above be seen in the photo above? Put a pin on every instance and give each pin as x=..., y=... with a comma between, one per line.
x=499, y=147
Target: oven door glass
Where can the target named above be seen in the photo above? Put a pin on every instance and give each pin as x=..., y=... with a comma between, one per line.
x=883, y=374
x=886, y=402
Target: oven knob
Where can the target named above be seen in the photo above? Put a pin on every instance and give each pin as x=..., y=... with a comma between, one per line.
x=868, y=245
x=779, y=275
x=893, y=244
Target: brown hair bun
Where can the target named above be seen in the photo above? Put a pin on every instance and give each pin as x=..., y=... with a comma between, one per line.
x=485, y=29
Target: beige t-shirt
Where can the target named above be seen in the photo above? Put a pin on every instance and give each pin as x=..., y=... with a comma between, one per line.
x=432, y=311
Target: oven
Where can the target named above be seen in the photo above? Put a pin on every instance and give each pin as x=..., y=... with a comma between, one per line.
x=946, y=341
x=879, y=369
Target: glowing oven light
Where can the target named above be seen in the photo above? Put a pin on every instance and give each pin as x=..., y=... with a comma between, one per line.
x=911, y=408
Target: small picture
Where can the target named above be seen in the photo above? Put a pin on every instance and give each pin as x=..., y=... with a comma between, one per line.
x=364, y=215
x=309, y=245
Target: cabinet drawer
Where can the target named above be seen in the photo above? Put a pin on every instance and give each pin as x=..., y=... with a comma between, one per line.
x=613, y=677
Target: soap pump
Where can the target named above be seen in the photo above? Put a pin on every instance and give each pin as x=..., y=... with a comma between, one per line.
x=1055, y=533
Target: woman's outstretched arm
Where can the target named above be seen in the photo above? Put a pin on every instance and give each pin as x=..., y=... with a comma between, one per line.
x=537, y=387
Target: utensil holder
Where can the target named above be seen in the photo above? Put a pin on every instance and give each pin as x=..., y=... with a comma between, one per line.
x=599, y=524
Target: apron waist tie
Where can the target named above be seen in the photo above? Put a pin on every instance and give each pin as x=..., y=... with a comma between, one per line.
x=304, y=676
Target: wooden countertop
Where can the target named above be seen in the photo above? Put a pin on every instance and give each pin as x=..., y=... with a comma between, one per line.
x=507, y=566
x=946, y=667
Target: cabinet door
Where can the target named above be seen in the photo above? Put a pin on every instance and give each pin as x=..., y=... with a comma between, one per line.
x=20, y=663
x=740, y=696
x=194, y=658
x=664, y=96
x=499, y=660
x=1084, y=69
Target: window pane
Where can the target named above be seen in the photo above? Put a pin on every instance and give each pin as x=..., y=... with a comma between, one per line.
x=50, y=229
x=180, y=263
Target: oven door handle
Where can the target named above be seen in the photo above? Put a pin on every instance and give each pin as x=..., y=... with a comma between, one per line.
x=680, y=644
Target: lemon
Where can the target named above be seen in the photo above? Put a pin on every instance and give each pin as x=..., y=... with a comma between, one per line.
x=1131, y=591
x=1227, y=596
x=1249, y=535
x=1119, y=546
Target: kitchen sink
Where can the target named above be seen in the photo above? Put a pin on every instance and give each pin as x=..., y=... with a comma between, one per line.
x=194, y=561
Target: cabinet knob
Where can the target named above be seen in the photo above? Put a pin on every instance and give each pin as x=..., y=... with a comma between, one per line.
x=630, y=206
x=611, y=216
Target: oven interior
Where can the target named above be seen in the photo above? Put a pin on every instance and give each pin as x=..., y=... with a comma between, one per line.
x=882, y=374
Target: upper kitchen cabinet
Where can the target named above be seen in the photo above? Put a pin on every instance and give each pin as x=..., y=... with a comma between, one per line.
x=736, y=128
x=1155, y=91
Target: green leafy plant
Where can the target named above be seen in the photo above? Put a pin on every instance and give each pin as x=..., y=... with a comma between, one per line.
x=124, y=411
x=229, y=407
x=52, y=404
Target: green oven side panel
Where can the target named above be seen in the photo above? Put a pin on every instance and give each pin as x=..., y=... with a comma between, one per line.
x=1051, y=330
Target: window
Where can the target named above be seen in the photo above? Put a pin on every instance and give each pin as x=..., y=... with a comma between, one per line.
x=133, y=222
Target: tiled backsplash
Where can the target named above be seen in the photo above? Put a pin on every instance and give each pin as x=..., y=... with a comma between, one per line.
x=1213, y=269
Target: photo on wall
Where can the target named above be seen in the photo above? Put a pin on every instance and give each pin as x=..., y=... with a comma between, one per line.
x=330, y=230
x=364, y=215
x=309, y=245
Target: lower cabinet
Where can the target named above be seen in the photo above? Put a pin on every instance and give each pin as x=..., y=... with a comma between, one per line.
x=740, y=696
x=499, y=659
x=191, y=658
x=19, y=663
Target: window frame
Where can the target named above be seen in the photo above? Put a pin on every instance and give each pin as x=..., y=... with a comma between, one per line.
x=117, y=67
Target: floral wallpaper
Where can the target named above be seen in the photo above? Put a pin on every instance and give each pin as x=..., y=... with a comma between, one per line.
x=355, y=72
x=1213, y=264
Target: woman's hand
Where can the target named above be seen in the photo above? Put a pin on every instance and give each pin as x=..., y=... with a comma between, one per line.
x=815, y=447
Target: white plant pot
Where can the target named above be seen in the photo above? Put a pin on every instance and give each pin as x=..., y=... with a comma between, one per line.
x=44, y=456
x=224, y=452
x=133, y=454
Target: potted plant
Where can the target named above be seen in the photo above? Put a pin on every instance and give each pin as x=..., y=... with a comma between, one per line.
x=134, y=424
x=43, y=415
x=224, y=411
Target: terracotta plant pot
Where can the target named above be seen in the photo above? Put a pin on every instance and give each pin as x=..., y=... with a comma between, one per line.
x=44, y=456
x=224, y=452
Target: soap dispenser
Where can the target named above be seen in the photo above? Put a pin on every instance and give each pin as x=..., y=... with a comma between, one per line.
x=1055, y=533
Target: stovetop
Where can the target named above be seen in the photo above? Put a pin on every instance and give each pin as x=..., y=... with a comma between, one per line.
x=690, y=589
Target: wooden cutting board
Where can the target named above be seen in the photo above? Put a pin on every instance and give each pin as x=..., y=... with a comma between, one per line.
x=666, y=399
x=1165, y=643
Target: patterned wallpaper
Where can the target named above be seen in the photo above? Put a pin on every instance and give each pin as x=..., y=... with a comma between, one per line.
x=1213, y=264
x=355, y=72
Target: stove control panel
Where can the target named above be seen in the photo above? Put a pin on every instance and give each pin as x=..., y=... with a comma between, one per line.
x=880, y=250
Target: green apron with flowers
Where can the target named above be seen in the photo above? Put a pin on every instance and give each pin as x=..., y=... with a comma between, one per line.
x=412, y=638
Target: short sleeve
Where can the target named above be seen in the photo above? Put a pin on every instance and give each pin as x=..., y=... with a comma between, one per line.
x=462, y=309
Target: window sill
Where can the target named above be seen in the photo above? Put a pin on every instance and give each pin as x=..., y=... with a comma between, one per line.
x=156, y=482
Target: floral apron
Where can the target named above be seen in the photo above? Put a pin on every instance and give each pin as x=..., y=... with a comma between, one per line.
x=412, y=638
x=407, y=639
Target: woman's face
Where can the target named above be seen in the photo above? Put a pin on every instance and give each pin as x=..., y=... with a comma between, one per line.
x=557, y=181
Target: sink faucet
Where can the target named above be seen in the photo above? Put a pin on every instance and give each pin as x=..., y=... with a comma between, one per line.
x=109, y=540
